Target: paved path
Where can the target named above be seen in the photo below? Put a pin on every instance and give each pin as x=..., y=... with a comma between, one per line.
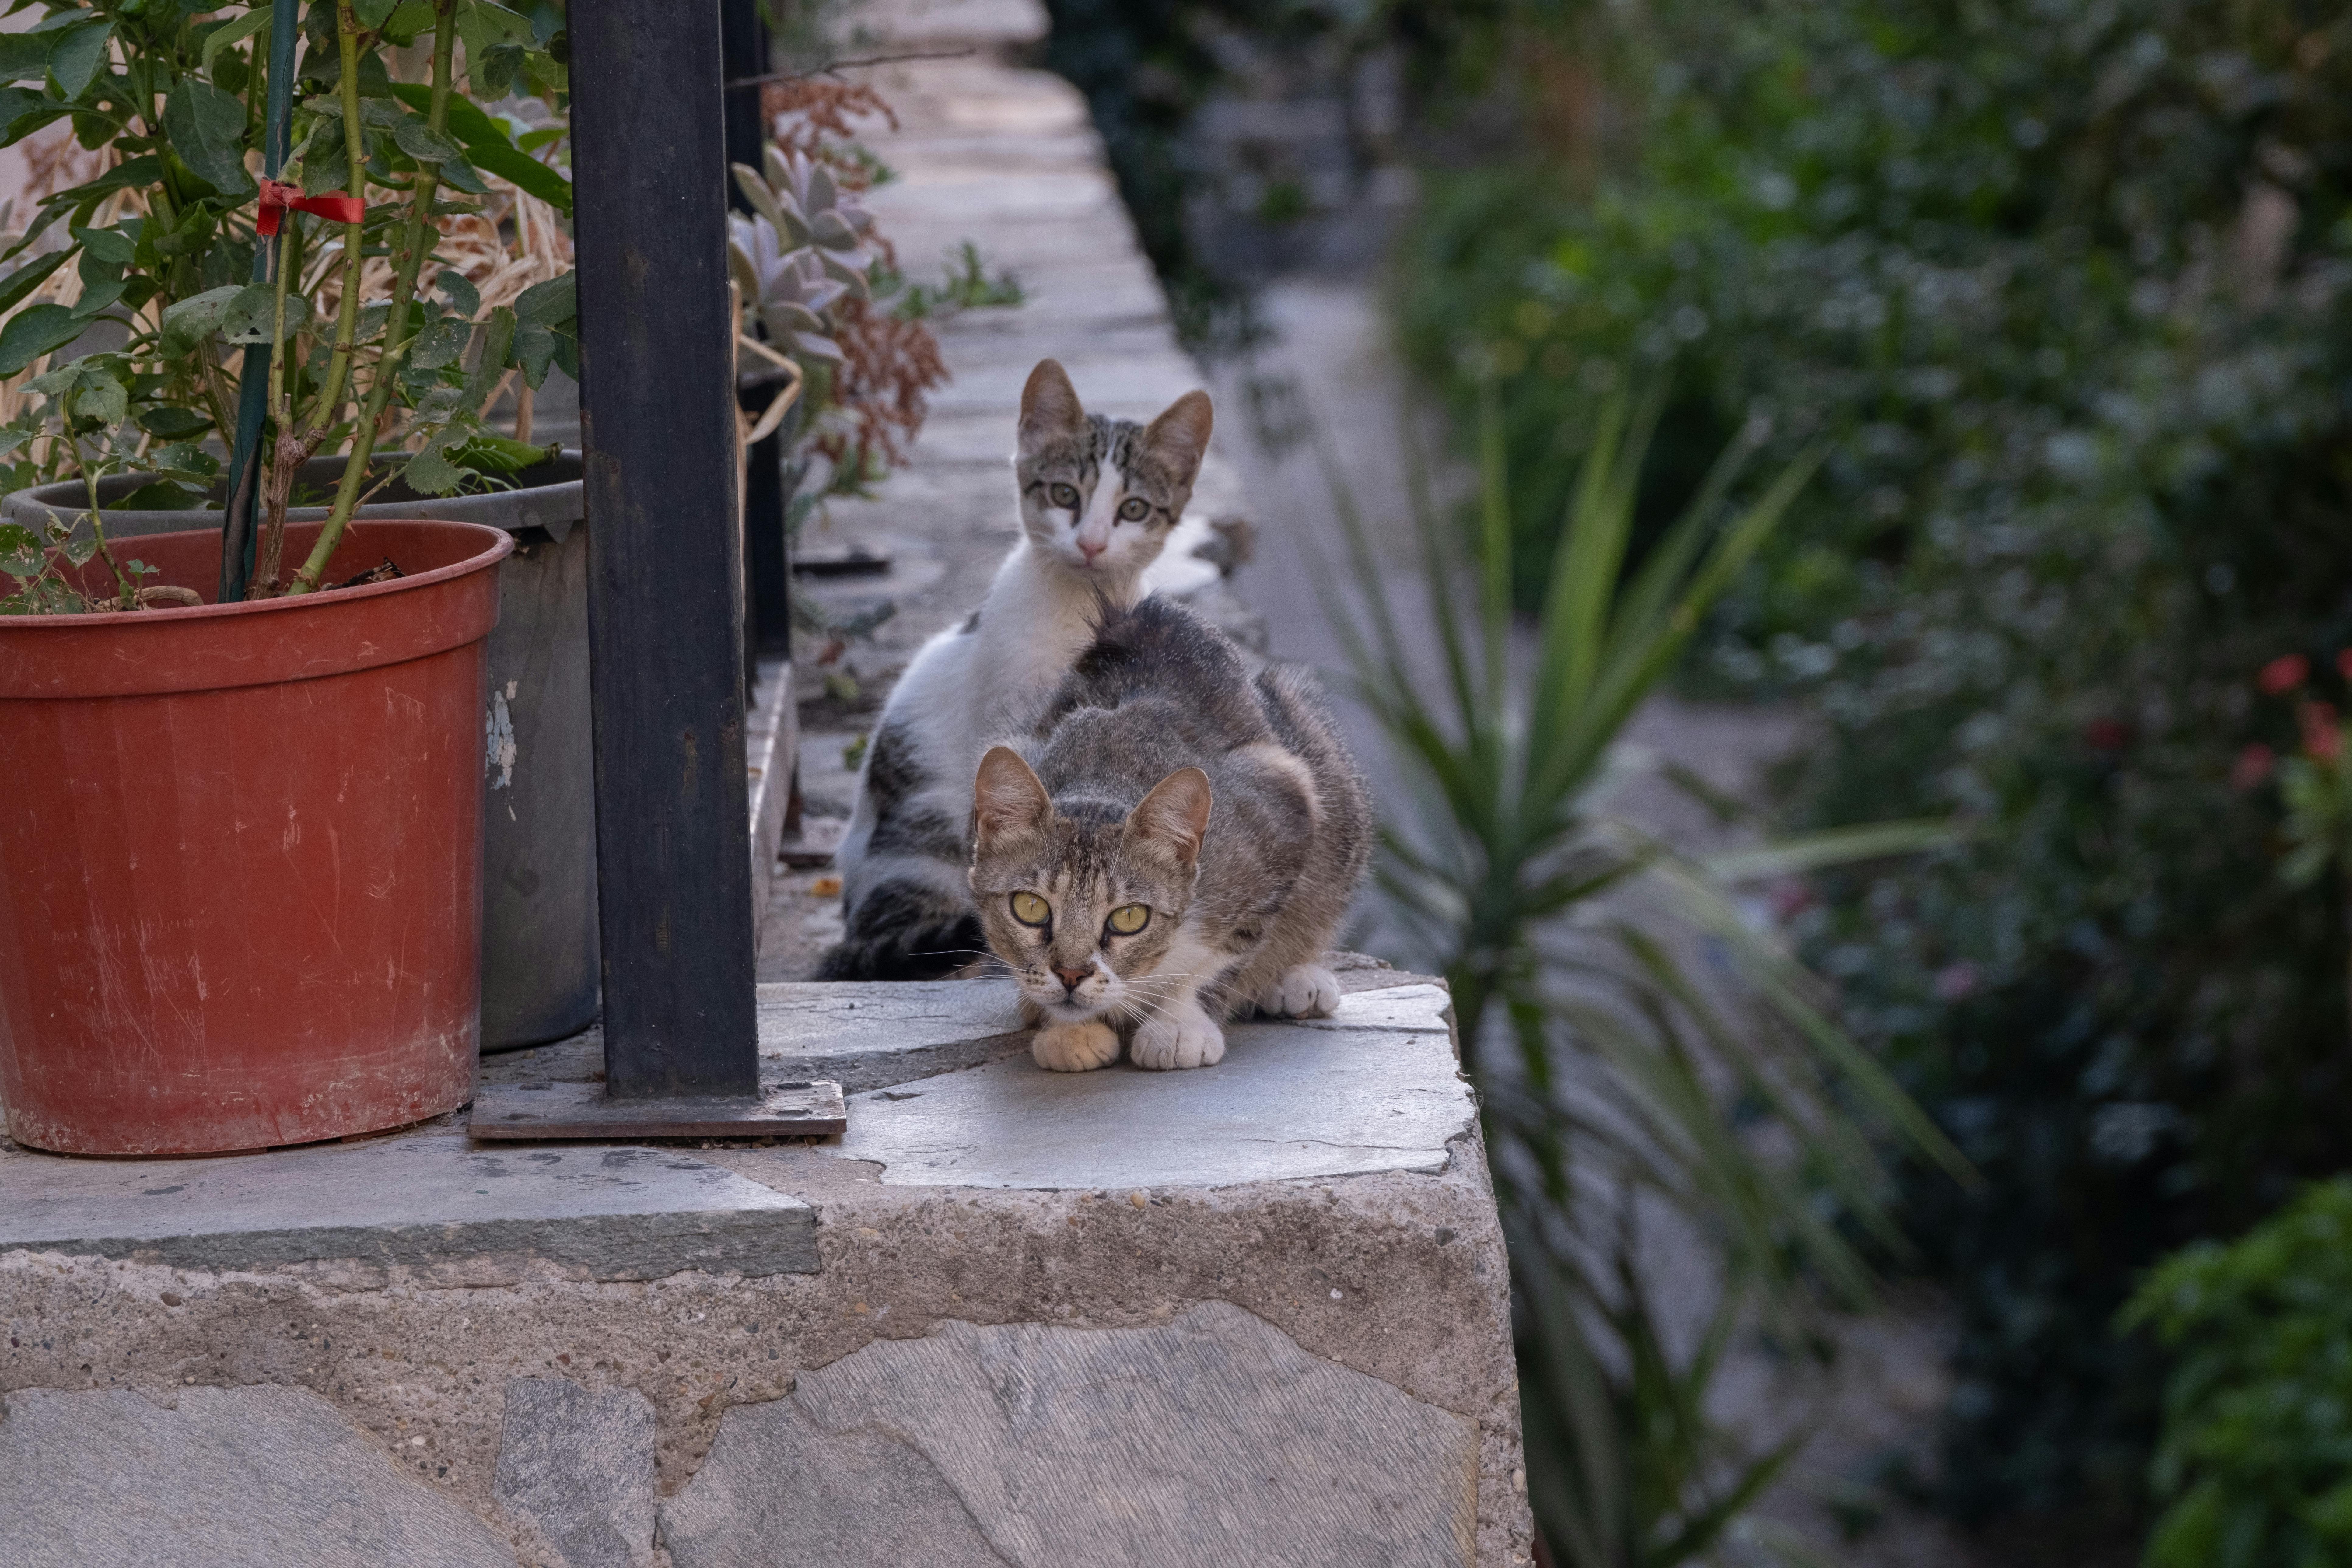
x=1007, y=158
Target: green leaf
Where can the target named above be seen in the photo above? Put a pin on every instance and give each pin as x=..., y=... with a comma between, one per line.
x=159, y=495
x=440, y=344
x=207, y=131
x=77, y=54
x=97, y=297
x=430, y=471
x=548, y=304
x=374, y=13
x=100, y=397
x=186, y=459
x=424, y=144
x=35, y=330
x=409, y=19
x=326, y=163
x=251, y=314
x=458, y=174
x=498, y=345
x=23, y=111
x=110, y=246
x=79, y=549
x=464, y=298
x=21, y=551
x=29, y=277
x=25, y=57
x=524, y=173
x=194, y=319
x=233, y=32
x=175, y=423
x=493, y=453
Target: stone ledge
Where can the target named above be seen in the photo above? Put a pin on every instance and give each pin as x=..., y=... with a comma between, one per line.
x=425, y=1199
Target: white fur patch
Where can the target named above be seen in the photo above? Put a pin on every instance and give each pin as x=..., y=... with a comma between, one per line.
x=1180, y=1034
x=1304, y=991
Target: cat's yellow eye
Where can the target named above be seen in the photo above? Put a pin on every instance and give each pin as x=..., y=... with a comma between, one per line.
x=1134, y=509
x=1065, y=496
x=1029, y=909
x=1129, y=918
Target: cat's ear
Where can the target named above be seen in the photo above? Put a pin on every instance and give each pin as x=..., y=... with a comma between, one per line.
x=1174, y=815
x=1049, y=406
x=1007, y=799
x=1179, y=436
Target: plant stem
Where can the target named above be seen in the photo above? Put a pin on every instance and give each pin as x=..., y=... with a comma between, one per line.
x=127, y=590
x=399, y=327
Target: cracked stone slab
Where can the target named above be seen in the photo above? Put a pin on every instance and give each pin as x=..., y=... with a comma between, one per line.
x=1286, y=1104
x=863, y=1037
x=217, y=1477
x=1212, y=1438
x=418, y=1200
x=578, y=1465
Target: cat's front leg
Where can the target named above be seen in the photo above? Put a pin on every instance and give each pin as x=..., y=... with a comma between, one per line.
x=1179, y=1034
x=1076, y=1048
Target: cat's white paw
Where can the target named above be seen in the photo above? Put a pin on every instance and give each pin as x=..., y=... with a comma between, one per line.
x=1304, y=991
x=1186, y=1040
x=1076, y=1048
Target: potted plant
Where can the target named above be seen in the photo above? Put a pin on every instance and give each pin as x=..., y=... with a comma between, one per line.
x=241, y=856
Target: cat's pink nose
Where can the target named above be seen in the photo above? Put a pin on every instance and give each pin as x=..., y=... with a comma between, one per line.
x=1069, y=978
x=1090, y=551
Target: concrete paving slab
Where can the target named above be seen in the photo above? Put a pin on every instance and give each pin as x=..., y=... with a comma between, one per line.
x=216, y=1477
x=426, y=1198
x=1286, y=1104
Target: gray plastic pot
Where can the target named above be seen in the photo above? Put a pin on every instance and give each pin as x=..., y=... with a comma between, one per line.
x=540, y=966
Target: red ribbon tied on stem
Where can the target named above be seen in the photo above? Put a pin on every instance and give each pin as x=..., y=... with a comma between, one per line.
x=278, y=196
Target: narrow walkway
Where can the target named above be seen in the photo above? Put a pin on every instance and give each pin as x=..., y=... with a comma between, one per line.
x=1007, y=158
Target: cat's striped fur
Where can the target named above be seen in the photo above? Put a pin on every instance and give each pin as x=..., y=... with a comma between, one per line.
x=1185, y=846
x=1099, y=498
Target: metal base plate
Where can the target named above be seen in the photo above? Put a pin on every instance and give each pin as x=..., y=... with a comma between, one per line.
x=531, y=1111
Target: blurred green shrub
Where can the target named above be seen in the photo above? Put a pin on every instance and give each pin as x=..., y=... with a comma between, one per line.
x=2070, y=288
x=2255, y=1467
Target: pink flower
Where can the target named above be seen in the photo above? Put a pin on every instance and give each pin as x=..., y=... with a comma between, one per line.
x=2323, y=737
x=1956, y=981
x=2284, y=673
x=2344, y=663
x=2253, y=768
x=2106, y=734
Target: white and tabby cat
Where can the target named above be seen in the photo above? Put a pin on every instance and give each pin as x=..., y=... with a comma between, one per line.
x=1099, y=498
x=1182, y=850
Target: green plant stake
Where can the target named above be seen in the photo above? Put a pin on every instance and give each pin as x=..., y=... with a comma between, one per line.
x=253, y=385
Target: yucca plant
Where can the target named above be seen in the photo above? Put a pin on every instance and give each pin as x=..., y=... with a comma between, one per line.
x=1620, y=1086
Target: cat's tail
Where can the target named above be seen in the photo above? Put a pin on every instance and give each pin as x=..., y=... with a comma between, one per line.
x=905, y=930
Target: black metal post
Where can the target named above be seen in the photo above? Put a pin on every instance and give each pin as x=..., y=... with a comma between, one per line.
x=665, y=637
x=744, y=34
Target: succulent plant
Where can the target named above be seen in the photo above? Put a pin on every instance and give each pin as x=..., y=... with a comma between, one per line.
x=802, y=252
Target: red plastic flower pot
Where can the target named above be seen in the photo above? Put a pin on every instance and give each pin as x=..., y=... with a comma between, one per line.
x=240, y=852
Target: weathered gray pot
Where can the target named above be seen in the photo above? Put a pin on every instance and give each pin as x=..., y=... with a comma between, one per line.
x=539, y=967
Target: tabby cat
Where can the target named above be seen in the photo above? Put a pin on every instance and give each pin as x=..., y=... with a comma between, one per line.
x=1172, y=844
x=1099, y=498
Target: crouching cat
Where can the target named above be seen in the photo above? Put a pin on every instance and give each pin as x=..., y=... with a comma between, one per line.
x=1099, y=498
x=1178, y=845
